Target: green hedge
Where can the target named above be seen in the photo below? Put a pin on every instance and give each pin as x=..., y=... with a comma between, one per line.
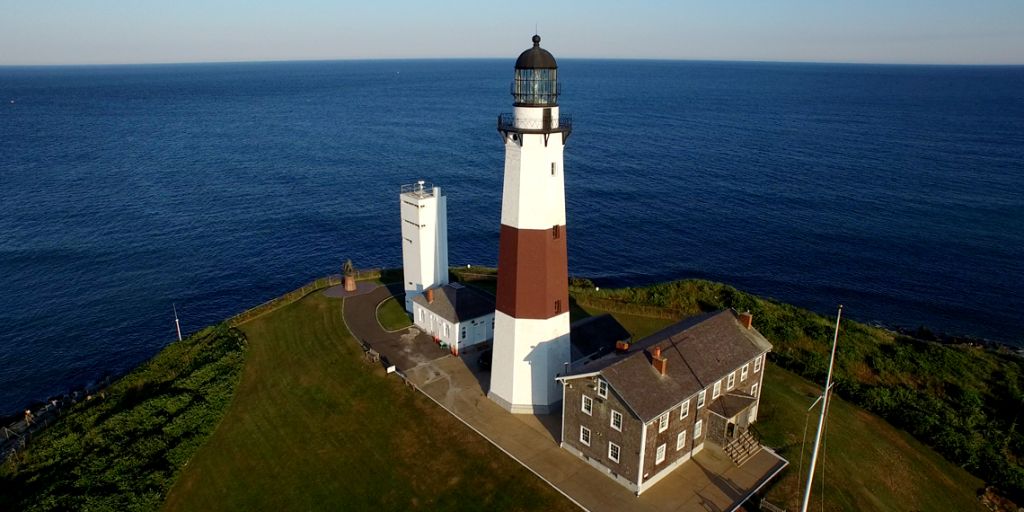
x=123, y=449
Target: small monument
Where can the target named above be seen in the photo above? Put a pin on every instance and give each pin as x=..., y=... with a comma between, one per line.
x=350, y=276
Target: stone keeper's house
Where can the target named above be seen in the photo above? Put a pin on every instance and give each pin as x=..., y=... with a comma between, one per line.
x=639, y=413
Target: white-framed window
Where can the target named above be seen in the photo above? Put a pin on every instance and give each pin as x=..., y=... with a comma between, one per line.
x=588, y=405
x=744, y=371
x=585, y=435
x=613, y=451
x=616, y=421
x=659, y=456
x=700, y=398
x=602, y=388
x=684, y=411
x=446, y=332
x=421, y=314
x=753, y=390
x=757, y=364
x=663, y=422
x=731, y=382
x=698, y=428
x=717, y=391
x=681, y=440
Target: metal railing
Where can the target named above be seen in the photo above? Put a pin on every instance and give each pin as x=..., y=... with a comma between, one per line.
x=419, y=189
x=507, y=123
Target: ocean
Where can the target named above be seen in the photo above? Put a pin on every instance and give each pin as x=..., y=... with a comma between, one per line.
x=897, y=191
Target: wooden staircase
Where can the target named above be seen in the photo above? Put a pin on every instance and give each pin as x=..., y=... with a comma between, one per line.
x=743, y=448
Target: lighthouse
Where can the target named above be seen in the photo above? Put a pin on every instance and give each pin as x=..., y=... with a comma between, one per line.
x=531, y=325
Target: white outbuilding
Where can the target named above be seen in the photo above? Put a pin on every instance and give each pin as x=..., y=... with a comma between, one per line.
x=459, y=316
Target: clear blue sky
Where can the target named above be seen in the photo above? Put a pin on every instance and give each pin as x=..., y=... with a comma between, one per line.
x=884, y=31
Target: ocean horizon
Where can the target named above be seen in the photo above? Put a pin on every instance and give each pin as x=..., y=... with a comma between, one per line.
x=896, y=190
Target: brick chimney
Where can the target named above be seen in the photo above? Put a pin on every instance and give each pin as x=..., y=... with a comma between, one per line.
x=659, y=362
x=430, y=295
x=746, y=319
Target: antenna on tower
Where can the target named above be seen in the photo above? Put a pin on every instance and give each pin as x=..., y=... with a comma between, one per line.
x=177, y=324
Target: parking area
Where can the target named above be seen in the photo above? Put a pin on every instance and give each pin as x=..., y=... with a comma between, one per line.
x=405, y=349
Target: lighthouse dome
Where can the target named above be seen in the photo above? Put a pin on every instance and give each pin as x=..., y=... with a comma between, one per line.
x=536, y=57
x=536, y=79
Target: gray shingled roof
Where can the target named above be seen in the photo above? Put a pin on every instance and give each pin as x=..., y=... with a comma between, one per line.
x=731, y=403
x=456, y=302
x=699, y=351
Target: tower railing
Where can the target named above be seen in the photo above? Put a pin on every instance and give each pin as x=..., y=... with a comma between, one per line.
x=419, y=189
x=507, y=123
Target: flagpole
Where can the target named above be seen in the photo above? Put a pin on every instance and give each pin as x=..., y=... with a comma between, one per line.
x=177, y=324
x=821, y=419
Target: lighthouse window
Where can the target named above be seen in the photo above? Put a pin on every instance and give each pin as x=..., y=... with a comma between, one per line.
x=556, y=232
x=558, y=306
x=552, y=168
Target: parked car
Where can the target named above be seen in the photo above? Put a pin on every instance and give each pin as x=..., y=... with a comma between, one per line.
x=484, y=361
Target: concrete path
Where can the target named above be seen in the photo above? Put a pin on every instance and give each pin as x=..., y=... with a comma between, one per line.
x=362, y=287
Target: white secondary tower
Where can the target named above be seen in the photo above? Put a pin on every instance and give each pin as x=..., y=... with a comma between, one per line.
x=531, y=330
x=424, y=239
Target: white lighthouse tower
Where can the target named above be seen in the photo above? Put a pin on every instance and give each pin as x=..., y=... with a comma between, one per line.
x=531, y=331
x=424, y=239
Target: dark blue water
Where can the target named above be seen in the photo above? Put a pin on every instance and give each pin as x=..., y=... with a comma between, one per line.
x=898, y=191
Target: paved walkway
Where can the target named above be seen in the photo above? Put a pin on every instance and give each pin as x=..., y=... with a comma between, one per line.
x=406, y=348
x=709, y=482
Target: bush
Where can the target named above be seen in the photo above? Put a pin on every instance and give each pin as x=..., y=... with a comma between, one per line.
x=123, y=449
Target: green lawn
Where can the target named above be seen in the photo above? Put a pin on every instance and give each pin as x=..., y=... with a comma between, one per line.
x=391, y=314
x=637, y=325
x=868, y=463
x=313, y=427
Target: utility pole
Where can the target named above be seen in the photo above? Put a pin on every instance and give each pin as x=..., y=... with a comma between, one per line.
x=177, y=324
x=821, y=419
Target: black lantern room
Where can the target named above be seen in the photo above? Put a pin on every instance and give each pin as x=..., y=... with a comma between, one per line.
x=536, y=83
